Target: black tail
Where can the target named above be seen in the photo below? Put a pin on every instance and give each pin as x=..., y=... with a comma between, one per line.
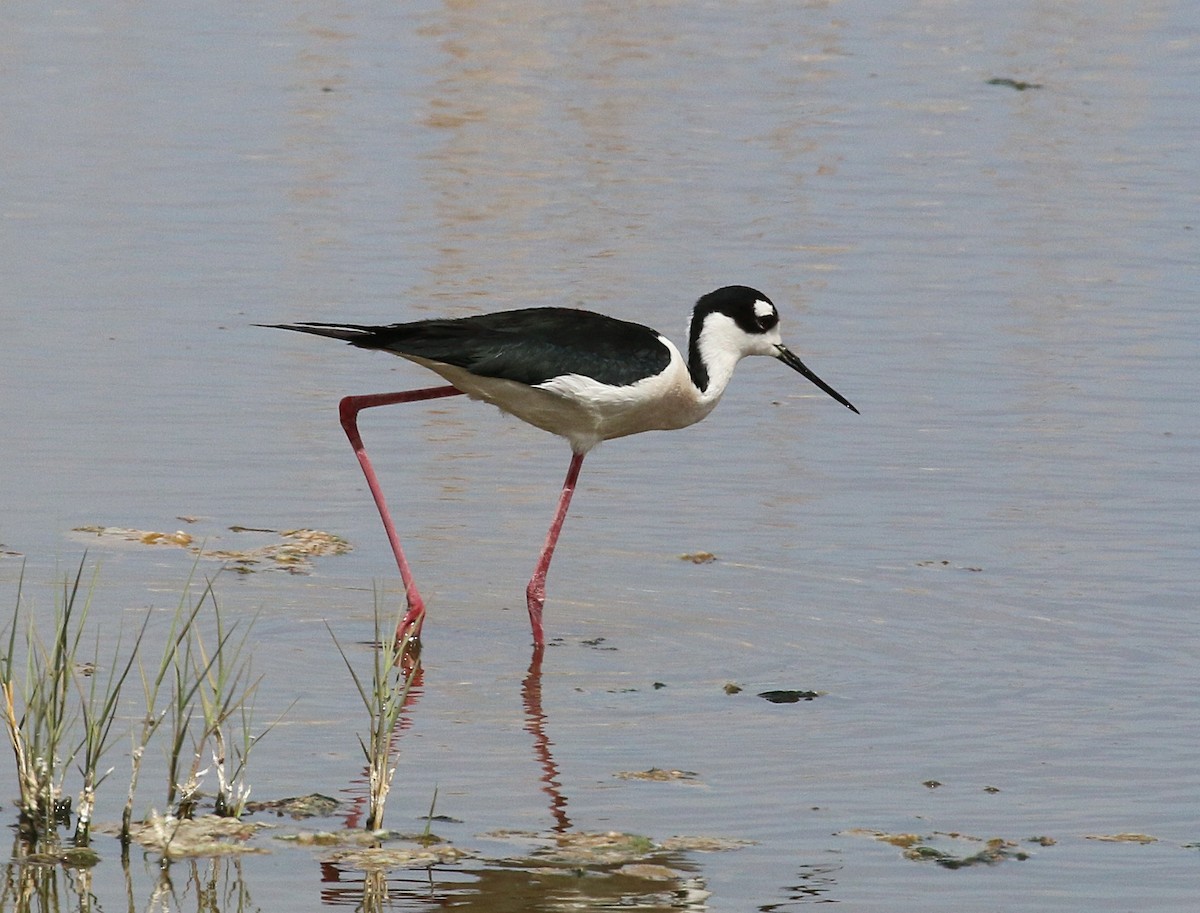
x=354, y=334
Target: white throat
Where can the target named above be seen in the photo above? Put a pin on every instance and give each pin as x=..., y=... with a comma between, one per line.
x=721, y=345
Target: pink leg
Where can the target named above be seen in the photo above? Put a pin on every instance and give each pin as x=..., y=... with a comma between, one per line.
x=348, y=411
x=535, y=593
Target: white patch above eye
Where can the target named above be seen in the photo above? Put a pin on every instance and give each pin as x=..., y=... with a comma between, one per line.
x=763, y=308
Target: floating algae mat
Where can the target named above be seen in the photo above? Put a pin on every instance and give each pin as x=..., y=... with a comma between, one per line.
x=953, y=850
x=291, y=550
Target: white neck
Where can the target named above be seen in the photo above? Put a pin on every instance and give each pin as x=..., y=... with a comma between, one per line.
x=715, y=352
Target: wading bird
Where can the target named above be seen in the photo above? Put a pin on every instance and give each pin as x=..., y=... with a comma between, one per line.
x=581, y=375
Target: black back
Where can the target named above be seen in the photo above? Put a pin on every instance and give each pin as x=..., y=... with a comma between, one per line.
x=529, y=346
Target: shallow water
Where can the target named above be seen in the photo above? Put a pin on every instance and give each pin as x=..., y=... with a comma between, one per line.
x=989, y=574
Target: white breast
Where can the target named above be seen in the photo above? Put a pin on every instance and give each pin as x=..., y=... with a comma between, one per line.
x=587, y=412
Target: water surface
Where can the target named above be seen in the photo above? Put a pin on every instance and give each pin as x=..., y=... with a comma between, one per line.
x=989, y=574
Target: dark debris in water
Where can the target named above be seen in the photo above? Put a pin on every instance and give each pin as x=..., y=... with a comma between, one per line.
x=313, y=805
x=952, y=850
x=443, y=819
x=930, y=562
x=1018, y=84
x=788, y=696
x=597, y=643
x=994, y=852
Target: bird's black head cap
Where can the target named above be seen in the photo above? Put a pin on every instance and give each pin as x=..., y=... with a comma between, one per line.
x=749, y=308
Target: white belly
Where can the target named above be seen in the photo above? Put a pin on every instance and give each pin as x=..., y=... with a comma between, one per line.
x=586, y=412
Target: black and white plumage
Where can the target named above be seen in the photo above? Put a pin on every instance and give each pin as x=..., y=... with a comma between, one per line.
x=586, y=376
x=575, y=373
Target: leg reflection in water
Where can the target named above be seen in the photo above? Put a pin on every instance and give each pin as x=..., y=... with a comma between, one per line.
x=535, y=725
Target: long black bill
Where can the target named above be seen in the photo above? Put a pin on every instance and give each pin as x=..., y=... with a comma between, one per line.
x=789, y=358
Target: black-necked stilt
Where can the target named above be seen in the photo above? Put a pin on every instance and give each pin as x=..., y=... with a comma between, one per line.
x=583, y=376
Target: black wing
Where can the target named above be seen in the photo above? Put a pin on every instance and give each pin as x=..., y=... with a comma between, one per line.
x=529, y=346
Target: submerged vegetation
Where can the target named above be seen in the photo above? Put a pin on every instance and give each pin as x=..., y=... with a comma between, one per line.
x=384, y=697
x=66, y=701
x=64, y=706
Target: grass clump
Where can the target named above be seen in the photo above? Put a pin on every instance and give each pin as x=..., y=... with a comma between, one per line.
x=66, y=711
x=62, y=706
x=384, y=696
